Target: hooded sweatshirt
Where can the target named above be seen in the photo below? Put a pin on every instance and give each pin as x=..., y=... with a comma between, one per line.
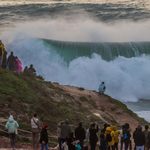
x=102, y=88
x=11, y=125
x=65, y=129
x=80, y=133
x=114, y=128
x=112, y=134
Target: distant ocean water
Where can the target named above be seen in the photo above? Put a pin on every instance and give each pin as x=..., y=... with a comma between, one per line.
x=83, y=43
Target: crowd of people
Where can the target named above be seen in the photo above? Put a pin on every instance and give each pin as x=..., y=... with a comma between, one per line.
x=13, y=63
x=69, y=140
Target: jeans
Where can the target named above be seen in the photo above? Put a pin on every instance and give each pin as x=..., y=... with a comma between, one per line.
x=121, y=144
x=126, y=145
x=44, y=145
x=93, y=145
x=59, y=141
x=12, y=139
x=116, y=146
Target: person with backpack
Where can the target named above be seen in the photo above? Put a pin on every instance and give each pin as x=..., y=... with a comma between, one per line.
x=1, y=52
x=102, y=88
x=44, y=138
x=80, y=134
x=147, y=139
x=103, y=142
x=104, y=129
x=116, y=138
x=35, y=129
x=109, y=135
x=139, y=139
x=93, y=136
x=126, y=135
x=12, y=125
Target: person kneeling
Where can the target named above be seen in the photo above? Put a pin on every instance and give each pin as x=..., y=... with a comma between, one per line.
x=44, y=138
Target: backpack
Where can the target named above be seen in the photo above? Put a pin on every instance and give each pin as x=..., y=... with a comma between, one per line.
x=108, y=138
x=125, y=136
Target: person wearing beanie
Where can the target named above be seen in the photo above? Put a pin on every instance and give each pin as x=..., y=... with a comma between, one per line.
x=139, y=139
x=44, y=138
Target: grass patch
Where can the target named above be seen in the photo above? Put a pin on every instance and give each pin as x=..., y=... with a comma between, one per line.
x=113, y=108
x=84, y=99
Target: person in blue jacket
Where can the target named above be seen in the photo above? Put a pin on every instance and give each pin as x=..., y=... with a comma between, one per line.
x=102, y=88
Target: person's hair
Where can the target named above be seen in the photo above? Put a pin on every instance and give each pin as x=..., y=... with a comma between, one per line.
x=80, y=124
x=16, y=57
x=93, y=125
x=12, y=53
x=146, y=127
x=26, y=67
x=103, y=82
x=90, y=126
x=31, y=65
x=123, y=126
x=62, y=122
x=35, y=115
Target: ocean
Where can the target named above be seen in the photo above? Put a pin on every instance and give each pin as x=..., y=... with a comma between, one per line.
x=84, y=42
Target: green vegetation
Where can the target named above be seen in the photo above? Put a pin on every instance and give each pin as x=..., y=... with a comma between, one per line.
x=125, y=109
x=112, y=108
x=25, y=95
x=91, y=102
x=81, y=88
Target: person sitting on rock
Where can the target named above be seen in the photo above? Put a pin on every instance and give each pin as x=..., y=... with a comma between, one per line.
x=12, y=61
x=25, y=71
x=102, y=88
x=1, y=52
x=31, y=71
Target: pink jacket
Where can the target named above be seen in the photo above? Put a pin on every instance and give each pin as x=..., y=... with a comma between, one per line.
x=18, y=66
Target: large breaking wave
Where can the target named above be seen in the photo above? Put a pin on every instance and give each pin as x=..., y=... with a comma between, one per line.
x=123, y=66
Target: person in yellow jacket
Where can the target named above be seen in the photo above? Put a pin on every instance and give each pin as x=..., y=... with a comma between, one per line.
x=1, y=52
x=109, y=136
x=116, y=138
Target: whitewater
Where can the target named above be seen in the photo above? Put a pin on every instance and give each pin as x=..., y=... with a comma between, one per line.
x=81, y=45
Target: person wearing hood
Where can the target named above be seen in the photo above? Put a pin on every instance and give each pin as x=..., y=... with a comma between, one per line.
x=1, y=52
x=93, y=136
x=102, y=88
x=44, y=138
x=139, y=139
x=18, y=66
x=59, y=133
x=126, y=135
x=11, y=125
x=65, y=130
x=80, y=134
x=109, y=135
x=104, y=129
x=116, y=138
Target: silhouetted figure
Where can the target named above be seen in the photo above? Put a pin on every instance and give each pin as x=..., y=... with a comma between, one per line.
x=31, y=71
x=25, y=71
x=4, y=62
x=1, y=52
x=11, y=60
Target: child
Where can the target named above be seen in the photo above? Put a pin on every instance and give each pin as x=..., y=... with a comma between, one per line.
x=44, y=138
x=103, y=142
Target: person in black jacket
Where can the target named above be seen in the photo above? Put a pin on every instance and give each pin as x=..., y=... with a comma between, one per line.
x=126, y=135
x=80, y=134
x=104, y=129
x=93, y=136
x=11, y=60
x=71, y=139
x=139, y=139
x=44, y=138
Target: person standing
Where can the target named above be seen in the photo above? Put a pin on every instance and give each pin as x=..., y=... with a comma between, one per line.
x=35, y=129
x=12, y=125
x=18, y=66
x=59, y=134
x=1, y=52
x=126, y=135
x=116, y=138
x=44, y=138
x=88, y=136
x=146, y=133
x=4, y=62
x=31, y=71
x=102, y=88
x=121, y=137
x=80, y=134
x=65, y=131
x=12, y=61
x=93, y=136
x=139, y=139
